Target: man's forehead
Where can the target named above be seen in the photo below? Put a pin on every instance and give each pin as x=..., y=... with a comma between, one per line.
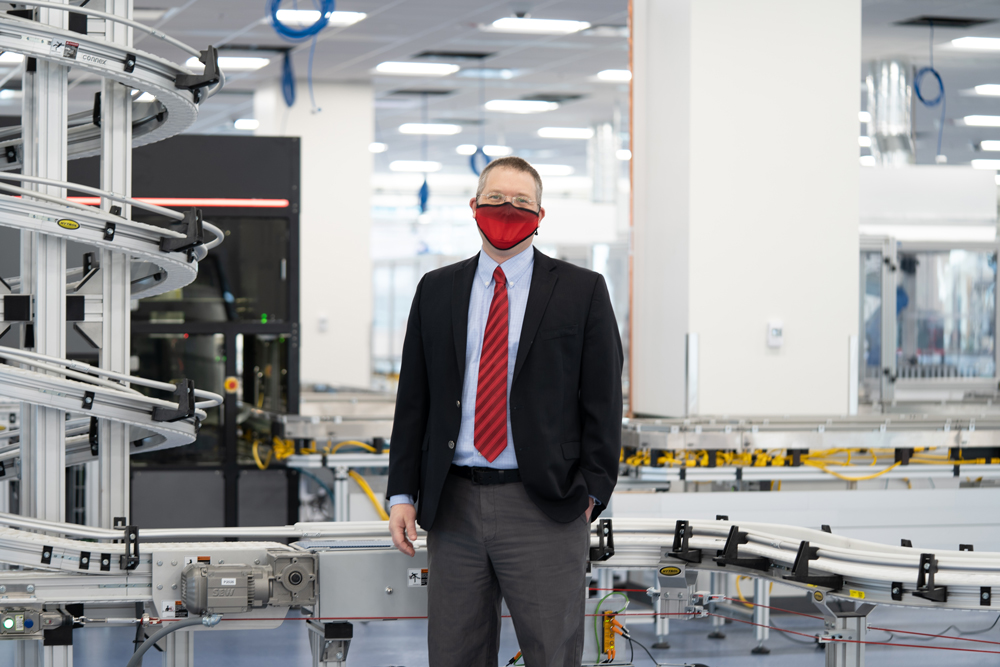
x=495, y=177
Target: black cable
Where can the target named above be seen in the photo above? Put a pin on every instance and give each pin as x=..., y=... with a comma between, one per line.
x=789, y=637
x=655, y=662
x=960, y=631
x=631, y=651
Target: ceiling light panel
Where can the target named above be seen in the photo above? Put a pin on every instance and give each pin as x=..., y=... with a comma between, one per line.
x=430, y=128
x=466, y=149
x=990, y=89
x=377, y=147
x=982, y=121
x=553, y=169
x=989, y=145
x=309, y=16
x=536, y=26
x=867, y=160
x=417, y=69
x=986, y=164
x=615, y=75
x=521, y=106
x=864, y=117
x=246, y=124
x=566, y=132
x=418, y=166
x=8, y=58
x=865, y=142
x=230, y=63
x=977, y=43
x=623, y=154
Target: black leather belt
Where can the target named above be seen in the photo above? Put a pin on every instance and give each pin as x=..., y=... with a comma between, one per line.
x=486, y=476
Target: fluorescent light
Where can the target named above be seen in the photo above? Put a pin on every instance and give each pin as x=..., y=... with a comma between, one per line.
x=989, y=145
x=430, y=128
x=991, y=89
x=867, y=160
x=536, y=26
x=938, y=233
x=553, y=169
x=977, y=43
x=230, y=63
x=310, y=16
x=148, y=15
x=491, y=151
x=615, y=75
x=986, y=164
x=11, y=94
x=521, y=106
x=246, y=124
x=377, y=147
x=865, y=142
x=864, y=117
x=417, y=69
x=146, y=97
x=623, y=154
x=497, y=151
x=982, y=121
x=414, y=165
x=9, y=58
x=566, y=132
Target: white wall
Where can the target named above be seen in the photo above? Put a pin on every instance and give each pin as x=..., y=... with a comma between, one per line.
x=746, y=202
x=336, y=294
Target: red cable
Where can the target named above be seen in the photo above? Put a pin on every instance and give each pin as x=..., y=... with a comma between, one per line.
x=787, y=611
x=924, y=634
x=621, y=590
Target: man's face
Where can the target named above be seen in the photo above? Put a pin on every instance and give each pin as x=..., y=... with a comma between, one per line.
x=512, y=184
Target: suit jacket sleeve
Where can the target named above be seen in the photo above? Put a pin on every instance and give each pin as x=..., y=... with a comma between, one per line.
x=601, y=398
x=412, y=406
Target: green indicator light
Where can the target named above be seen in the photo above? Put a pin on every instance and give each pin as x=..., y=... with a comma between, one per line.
x=263, y=318
x=8, y=623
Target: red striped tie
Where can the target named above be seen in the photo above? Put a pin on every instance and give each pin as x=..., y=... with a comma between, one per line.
x=491, y=393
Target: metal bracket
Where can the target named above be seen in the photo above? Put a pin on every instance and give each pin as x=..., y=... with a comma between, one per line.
x=800, y=570
x=130, y=559
x=88, y=400
x=185, y=404
x=109, y=231
x=925, y=580
x=11, y=154
x=194, y=233
x=130, y=60
x=682, y=533
x=605, y=548
x=730, y=553
x=985, y=596
x=84, y=560
x=46, y=555
x=93, y=437
x=210, y=58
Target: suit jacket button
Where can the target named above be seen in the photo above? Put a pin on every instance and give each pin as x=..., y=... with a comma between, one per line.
x=451, y=444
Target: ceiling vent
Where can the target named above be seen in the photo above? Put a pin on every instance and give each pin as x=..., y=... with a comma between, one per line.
x=438, y=92
x=455, y=55
x=553, y=97
x=945, y=21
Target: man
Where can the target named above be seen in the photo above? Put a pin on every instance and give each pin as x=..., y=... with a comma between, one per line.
x=507, y=434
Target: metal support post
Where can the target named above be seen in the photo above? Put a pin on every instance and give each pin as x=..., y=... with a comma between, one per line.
x=718, y=586
x=178, y=649
x=329, y=643
x=845, y=633
x=341, y=495
x=661, y=623
x=761, y=614
x=116, y=176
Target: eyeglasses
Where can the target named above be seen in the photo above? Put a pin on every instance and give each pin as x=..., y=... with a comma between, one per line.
x=497, y=198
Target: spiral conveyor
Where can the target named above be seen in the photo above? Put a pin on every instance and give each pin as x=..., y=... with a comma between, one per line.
x=159, y=259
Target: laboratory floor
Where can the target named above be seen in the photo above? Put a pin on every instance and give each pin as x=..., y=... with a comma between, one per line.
x=402, y=644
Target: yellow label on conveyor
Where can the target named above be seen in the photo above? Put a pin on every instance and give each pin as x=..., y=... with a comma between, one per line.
x=860, y=595
x=69, y=224
x=670, y=571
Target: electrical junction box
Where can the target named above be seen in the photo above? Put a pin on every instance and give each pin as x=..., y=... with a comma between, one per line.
x=775, y=333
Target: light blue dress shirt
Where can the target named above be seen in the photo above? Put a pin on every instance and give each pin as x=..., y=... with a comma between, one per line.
x=518, y=271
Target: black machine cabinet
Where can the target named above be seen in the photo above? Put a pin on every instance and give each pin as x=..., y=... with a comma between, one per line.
x=239, y=319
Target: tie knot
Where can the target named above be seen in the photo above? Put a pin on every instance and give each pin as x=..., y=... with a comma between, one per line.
x=498, y=278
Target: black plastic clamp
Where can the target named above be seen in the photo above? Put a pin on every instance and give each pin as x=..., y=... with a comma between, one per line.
x=95, y=115
x=680, y=550
x=88, y=400
x=800, y=570
x=605, y=548
x=185, y=404
x=730, y=554
x=105, y=562
x=84, y=560
x=130, y=559
x=925, y=580
x=896, y=590
x=93, y=438
x=109, y=227
x=210, y=58
x=985, y=596
x=46, y=555
x=10, y=152
x=194, y=233
x=130, y=60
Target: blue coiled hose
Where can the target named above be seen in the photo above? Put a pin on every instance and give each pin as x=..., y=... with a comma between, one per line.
x=326, y=8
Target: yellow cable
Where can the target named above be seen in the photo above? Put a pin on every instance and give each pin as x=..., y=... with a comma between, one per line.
x=850, y=479
x=368, y=492
x=256, y=456
x=356, y=443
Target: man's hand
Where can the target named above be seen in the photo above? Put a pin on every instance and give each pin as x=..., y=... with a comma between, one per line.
x=590, y=509
x=403, y=526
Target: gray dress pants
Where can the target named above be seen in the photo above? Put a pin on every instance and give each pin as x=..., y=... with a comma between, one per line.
x=492, y=542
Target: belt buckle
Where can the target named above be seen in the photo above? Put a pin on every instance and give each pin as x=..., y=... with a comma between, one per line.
x=477, y=476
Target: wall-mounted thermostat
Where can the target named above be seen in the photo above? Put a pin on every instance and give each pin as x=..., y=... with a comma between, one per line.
x=775, y=333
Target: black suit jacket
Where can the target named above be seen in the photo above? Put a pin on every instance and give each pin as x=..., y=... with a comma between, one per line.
x=565, y=398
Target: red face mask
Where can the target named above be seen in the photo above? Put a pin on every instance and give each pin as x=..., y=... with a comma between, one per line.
x=505, y=225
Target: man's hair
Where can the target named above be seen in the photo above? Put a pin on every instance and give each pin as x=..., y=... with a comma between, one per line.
x=515, y=163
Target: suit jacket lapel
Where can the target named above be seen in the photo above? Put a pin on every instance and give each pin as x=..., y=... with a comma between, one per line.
x=461, y=292
x=543, y=279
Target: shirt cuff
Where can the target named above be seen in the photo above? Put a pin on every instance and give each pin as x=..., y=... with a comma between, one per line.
x=596, y=501
x=400, y=499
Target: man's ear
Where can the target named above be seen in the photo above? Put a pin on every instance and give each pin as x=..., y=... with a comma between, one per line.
x=472, y=205
x=541, y=214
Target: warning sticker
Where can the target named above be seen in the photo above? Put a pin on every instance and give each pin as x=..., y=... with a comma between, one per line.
x=70, y=50
x=173, y=609
x=860, y=595
x=415, y=578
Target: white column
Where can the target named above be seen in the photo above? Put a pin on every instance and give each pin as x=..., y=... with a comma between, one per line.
x=335, y=223
x=745, y=165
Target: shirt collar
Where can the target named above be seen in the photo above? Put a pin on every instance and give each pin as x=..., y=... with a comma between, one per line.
x=514, y=268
